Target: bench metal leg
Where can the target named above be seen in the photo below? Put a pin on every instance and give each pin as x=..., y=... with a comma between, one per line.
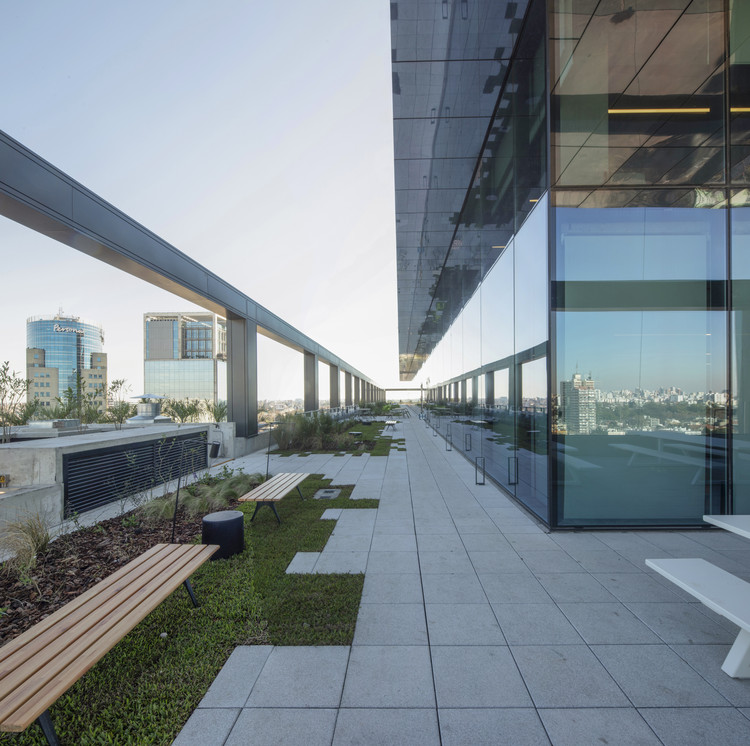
x=45, y=723
x=190, y=592
x=737, y=663
x=300, y=493
x=270, y=505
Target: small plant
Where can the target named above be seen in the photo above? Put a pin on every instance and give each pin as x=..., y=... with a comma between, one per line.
x=24, y=539
x=12, y=389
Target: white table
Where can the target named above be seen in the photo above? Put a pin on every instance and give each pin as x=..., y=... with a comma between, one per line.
x=737, y=524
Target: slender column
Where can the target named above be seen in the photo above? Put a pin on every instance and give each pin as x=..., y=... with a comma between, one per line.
x=335, y=400
x=357, y=399
x=242, y=375
x=311, y=382
x=348, y=389
x=489, y=389
x=475, y=391
x=462, y=390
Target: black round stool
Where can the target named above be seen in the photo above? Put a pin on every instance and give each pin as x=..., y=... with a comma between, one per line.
x=227, y=529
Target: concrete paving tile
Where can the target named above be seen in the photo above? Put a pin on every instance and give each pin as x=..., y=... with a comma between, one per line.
x=444, y=562
x=302, y=562
x=530, y=542
x=282, y=726
x=698, y=726
x=707, y=661
x=347, y=543
x=530, y=528
x=604, y=560
x=389, y=676
x=491, y=727
x=393, y=562
x=352, y=563
x=654, y=675
x=573, y=541
x=235, y=681
x=503, y=560
x=391, y=624
x=681, y=623
x=513, y=588
x=392, y=588
x=463, y=624
x=634, y=587
x=483, y=676
x=485, y=542
x=574, y=588
x=386, y=727
x=206, y=726
x=440, y=542
x=331, y=514
x=566, y=676
x=542, y=561
x=394, y=543
x=613, y=726
x=608, y=623
x=535, y=624
x=301, y=676
x=453, y=588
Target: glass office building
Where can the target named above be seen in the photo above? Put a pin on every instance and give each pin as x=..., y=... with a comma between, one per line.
x=573, y=238
x=59, y=349
x=185, y=355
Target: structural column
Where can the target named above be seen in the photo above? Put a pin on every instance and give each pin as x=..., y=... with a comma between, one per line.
x=489, y=389
x=356, y=383
x=475, y=391
x=334, y=397
x=348, y=388
x=242, y=375
x=462, y=390
x=311, y=382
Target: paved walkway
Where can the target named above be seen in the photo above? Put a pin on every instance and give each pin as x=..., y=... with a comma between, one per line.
x=478, y=627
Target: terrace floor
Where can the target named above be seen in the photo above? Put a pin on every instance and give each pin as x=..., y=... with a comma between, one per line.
x=477, y=626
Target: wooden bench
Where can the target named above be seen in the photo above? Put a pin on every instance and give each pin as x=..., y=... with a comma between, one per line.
x=273, y=490
x=722, y=592
x=41, y=664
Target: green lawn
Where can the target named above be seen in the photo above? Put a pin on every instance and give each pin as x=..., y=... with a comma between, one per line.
x=144, y=689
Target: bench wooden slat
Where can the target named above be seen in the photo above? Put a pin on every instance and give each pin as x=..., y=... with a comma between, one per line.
x=11, y=647
x=98, y=626
x=26, y=645
x=275, y=488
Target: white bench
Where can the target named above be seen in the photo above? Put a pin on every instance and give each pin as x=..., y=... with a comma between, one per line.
x=723, y=593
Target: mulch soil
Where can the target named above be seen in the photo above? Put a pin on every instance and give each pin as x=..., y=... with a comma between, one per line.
x=74, y=562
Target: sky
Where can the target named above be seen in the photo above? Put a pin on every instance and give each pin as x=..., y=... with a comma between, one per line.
x=255, y=137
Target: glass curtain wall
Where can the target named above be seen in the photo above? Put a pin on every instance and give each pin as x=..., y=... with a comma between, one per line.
x=640, y=389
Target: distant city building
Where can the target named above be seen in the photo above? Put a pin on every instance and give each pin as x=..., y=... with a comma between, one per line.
x=578, y=405
x=58, y=349
x=184, y=355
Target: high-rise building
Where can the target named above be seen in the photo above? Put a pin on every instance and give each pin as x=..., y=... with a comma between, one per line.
x=573, y=188
x=185, y=355
x=59, y=349
x=578, y=404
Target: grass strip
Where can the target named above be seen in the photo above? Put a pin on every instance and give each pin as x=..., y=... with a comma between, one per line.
x=143, y=691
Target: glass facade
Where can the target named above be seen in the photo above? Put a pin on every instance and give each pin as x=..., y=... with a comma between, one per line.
x=584, y=331
x=65, y=343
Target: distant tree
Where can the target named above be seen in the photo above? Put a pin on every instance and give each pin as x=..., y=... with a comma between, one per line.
x=13, y=389
x=183, y=410
x=79, y=403
x=119, y=409
x=216, y=410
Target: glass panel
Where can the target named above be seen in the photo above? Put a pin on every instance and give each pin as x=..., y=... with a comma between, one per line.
x=531, y=437
x=741, y=358
x=639, y=424
x=637, y=92
x=739, y=87
x=530, y=280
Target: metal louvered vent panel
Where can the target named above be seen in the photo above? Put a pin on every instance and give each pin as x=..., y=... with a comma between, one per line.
x=106, y=475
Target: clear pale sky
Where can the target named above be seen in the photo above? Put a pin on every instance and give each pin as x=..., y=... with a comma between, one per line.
x=255, y=137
